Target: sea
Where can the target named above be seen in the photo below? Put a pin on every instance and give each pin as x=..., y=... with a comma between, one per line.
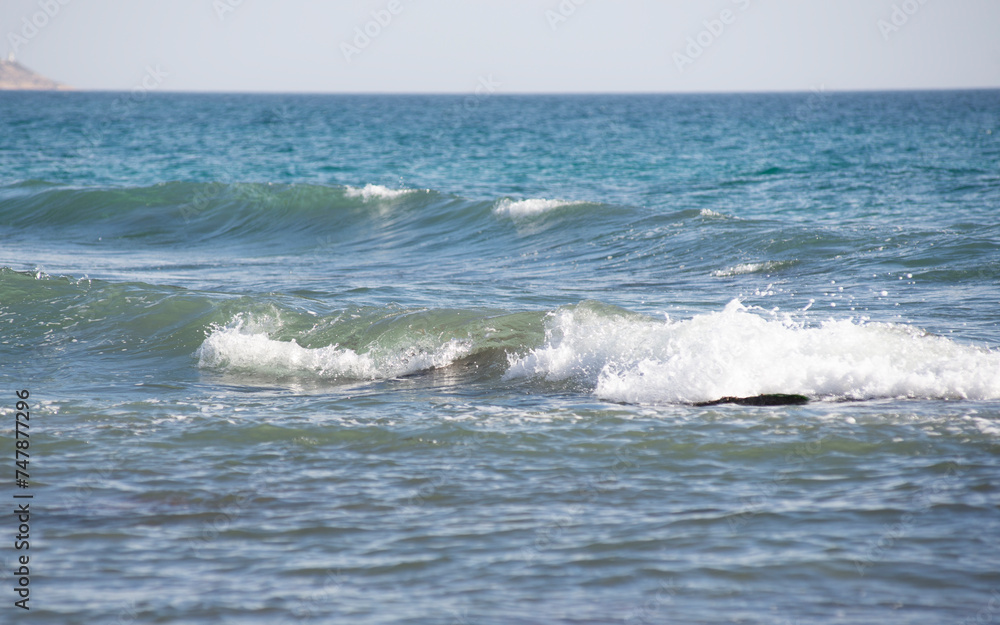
x=456, y=359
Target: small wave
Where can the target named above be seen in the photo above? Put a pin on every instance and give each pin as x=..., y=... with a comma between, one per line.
x=770, y=171
x=525, y=208
x=376, y=192
x=217, y=213
x=711, y=214
x=748, y=268
x=245, y=346
x=740, y=352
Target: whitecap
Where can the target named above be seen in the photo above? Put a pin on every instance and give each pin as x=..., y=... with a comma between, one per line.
x=525, y=208
x=245, y=346
x=711, y=214
x=744, y=352
x=376, y=192
x=748, y=268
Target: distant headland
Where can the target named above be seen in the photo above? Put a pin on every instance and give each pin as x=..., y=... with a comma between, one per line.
x=14, y=76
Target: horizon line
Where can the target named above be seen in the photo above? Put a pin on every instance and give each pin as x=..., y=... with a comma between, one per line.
x=821, y=89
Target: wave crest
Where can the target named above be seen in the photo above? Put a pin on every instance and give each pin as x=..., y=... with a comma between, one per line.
x=376, y=192
x=740, y=352
x=525, y=208
x=749, y=268
x=245, y=346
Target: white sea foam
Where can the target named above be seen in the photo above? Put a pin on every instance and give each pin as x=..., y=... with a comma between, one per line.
x=742, y=352
x=711, y=214
x=525, y=208
x=376, y=192
x=747, y=268
x=246, y=346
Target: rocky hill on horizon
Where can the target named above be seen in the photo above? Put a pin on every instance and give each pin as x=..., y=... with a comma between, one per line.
x=14, y=76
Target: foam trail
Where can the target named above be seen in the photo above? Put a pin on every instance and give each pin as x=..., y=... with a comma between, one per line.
x=739, y=353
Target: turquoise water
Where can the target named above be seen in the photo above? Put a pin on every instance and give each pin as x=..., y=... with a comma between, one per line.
x=435, y=359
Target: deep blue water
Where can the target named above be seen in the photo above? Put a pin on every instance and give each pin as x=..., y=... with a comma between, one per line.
x=436, y=359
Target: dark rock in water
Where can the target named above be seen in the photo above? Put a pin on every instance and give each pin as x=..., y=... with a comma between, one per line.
x=772, y=399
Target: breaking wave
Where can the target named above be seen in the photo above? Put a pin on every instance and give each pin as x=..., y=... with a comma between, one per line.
x=526, y=208
x=743, y=352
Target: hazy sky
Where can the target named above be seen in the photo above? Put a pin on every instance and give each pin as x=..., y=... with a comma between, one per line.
x=512, y=45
